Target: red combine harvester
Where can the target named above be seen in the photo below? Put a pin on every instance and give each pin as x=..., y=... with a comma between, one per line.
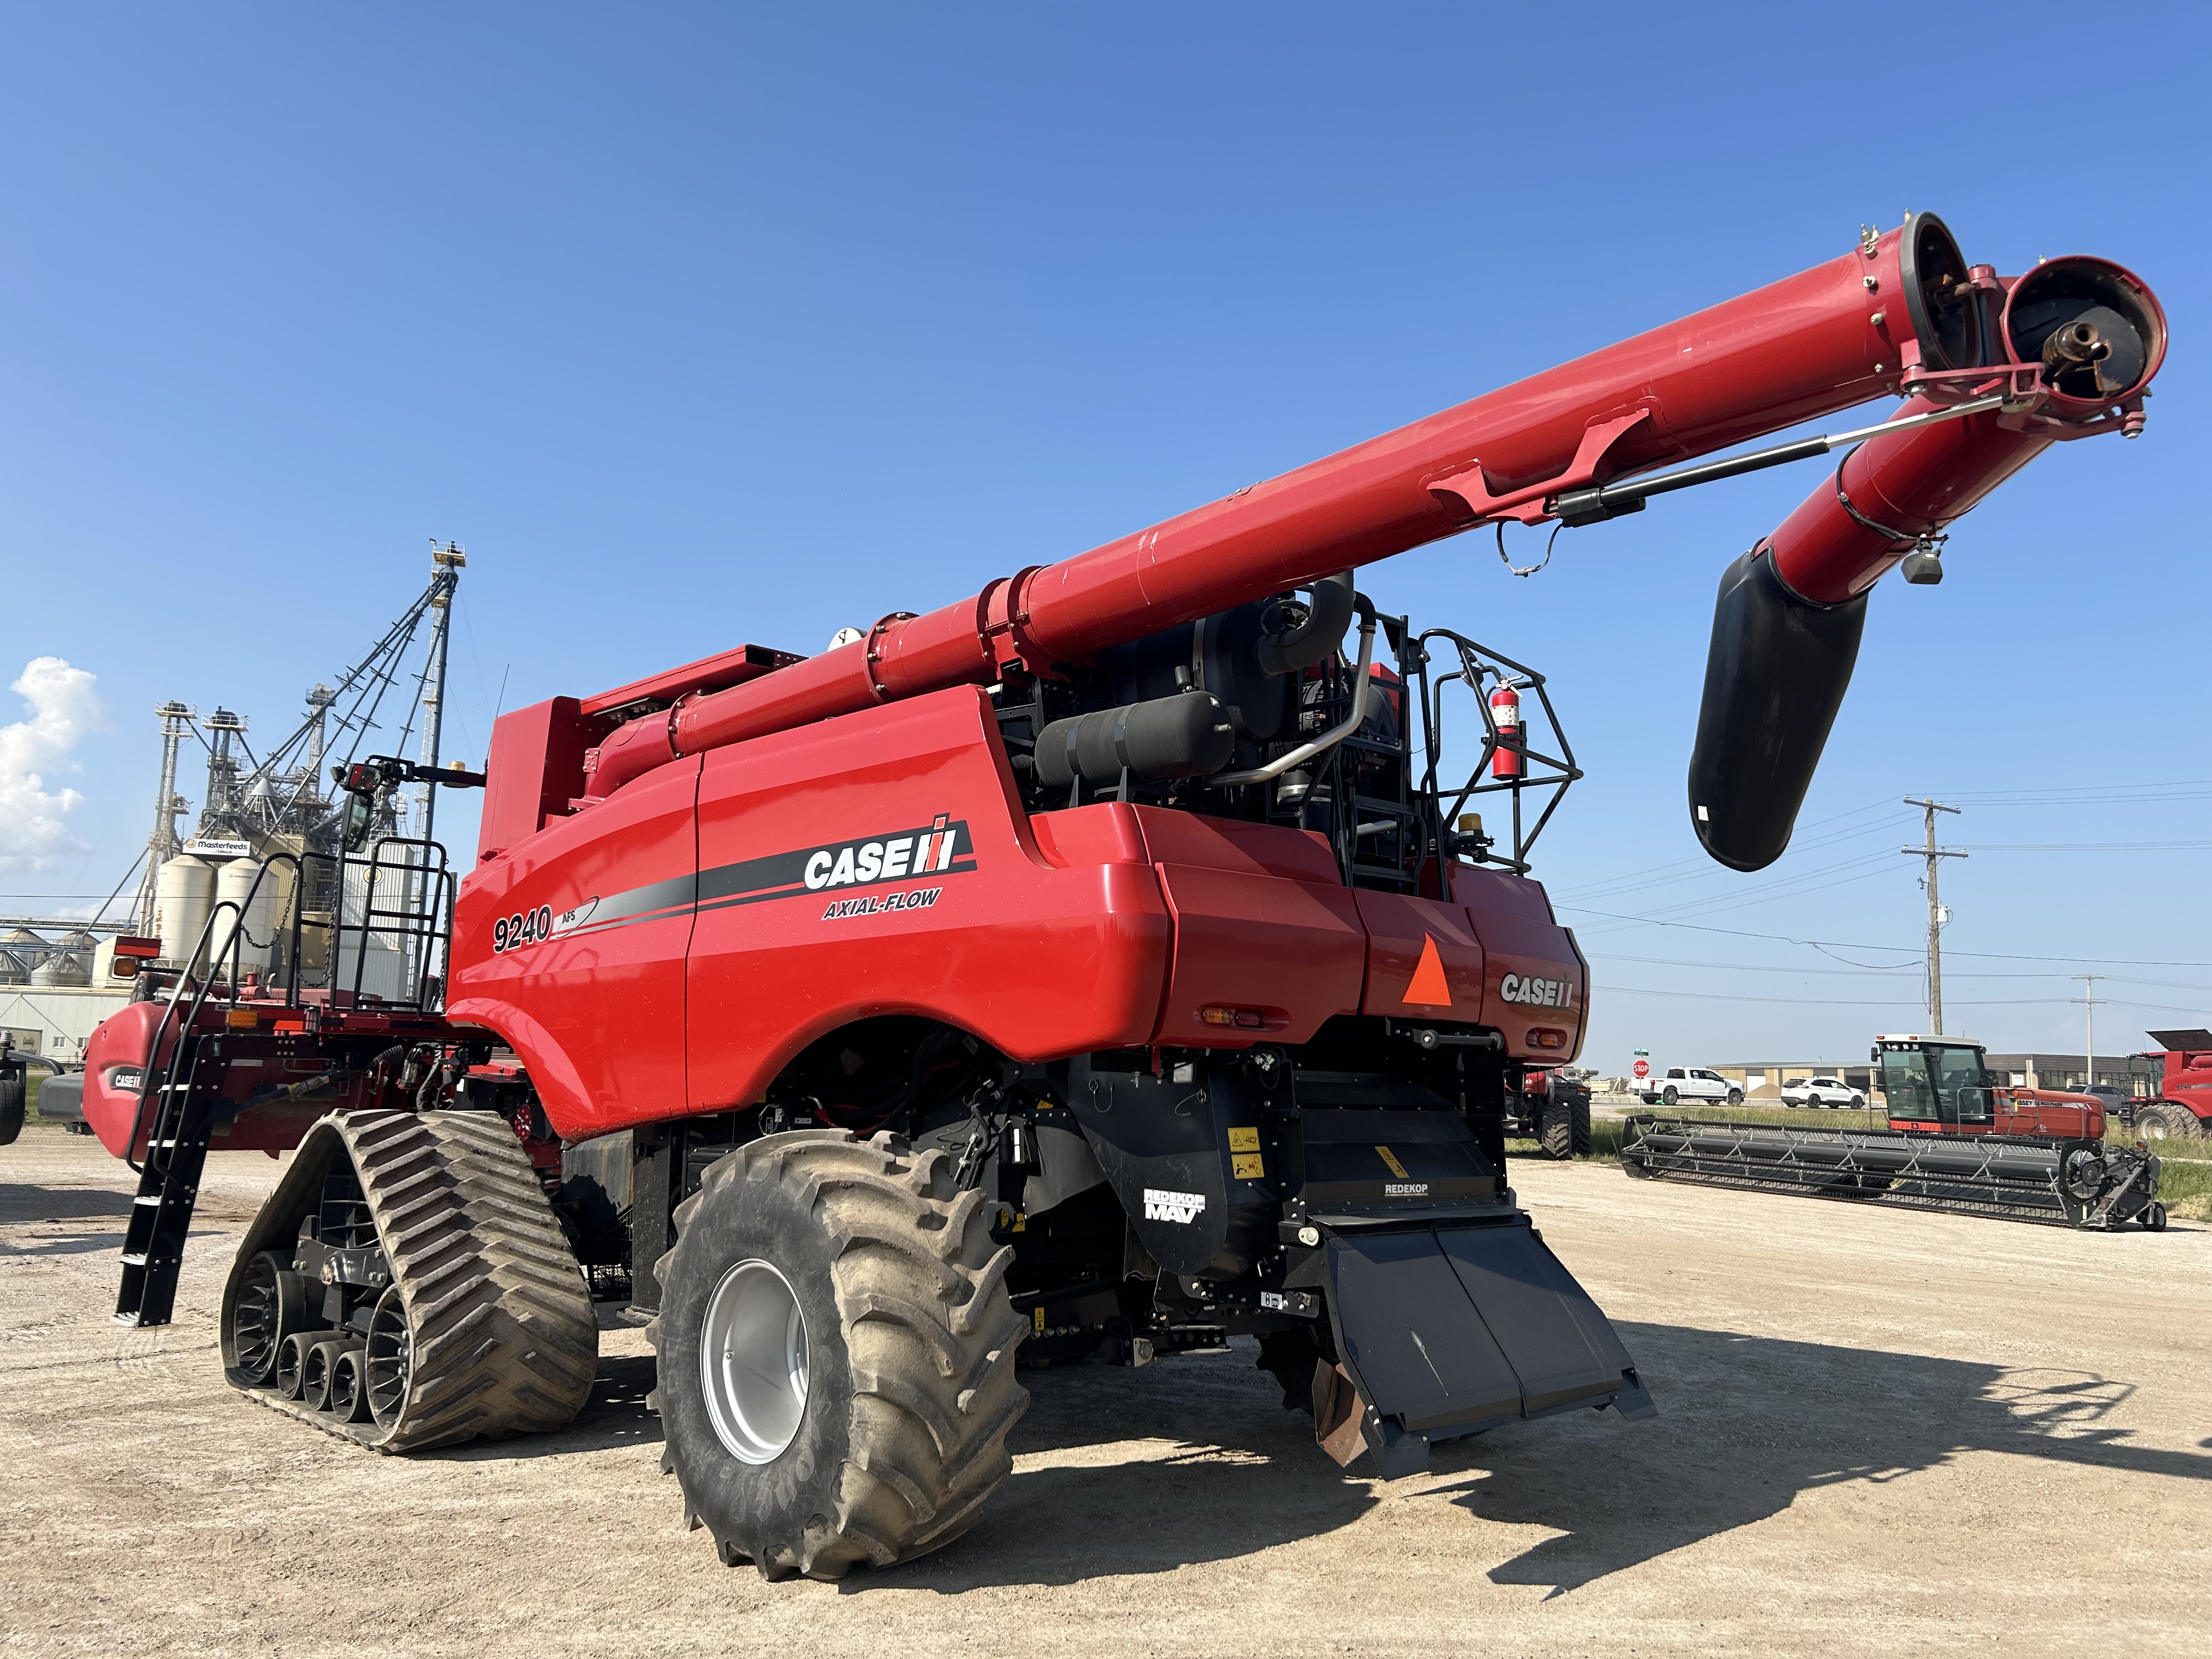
x=1097, y=967
x=2173, y=1086
x=1959, y=1140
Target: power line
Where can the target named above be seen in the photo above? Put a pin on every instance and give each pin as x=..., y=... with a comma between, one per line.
x=1847, y=944
x=1892, y=1002
x=1785, y=968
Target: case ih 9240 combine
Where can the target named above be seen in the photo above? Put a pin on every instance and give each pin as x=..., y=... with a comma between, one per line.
x=1096, y=967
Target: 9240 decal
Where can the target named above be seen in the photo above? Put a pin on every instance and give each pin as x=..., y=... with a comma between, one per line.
x=525, y=928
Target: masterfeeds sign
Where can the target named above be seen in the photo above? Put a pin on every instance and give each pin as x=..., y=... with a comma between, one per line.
x=1537, y=992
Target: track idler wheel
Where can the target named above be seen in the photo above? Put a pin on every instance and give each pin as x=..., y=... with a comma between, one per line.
x=836, y=1354
x=318, y=1376
x=290, y=1380
x=349, y=1388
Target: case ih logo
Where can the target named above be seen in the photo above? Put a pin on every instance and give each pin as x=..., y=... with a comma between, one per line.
x=895, y=857
x=1537, y=992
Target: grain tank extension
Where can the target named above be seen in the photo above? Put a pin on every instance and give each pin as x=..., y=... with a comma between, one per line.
x=1103, y=967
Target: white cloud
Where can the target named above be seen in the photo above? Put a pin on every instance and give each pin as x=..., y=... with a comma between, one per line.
x=63, y=708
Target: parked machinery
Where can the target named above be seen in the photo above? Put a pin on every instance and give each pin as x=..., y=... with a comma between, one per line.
x=1958, y=1138
x=2173, y=1086
x=1097, y=967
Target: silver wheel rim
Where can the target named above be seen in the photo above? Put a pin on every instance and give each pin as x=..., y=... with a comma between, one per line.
x=753, y=1362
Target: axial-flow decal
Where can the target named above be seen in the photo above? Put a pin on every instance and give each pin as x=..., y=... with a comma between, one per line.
x=942, y=847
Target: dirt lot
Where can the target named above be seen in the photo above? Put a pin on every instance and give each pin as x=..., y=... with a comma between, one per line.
x=1878, y=1430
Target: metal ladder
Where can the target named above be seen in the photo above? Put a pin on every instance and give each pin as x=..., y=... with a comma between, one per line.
x=169, y=1187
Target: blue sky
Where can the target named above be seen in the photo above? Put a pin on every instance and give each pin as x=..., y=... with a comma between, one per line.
x=697, y=325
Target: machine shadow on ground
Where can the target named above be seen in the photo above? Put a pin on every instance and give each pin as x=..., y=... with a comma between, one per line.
x=1746, y=1423
x=24, y=1202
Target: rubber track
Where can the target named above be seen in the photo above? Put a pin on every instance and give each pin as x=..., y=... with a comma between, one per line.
x=505, y=1339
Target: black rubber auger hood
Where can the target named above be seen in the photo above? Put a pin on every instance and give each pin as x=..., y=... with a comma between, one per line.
x=1774, y=679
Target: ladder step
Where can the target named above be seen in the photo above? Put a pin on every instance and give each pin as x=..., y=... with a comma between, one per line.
x=146, y=1201
x=133, y=1260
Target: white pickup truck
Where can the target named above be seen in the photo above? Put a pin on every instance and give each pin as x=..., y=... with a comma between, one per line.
x=1679, y=1083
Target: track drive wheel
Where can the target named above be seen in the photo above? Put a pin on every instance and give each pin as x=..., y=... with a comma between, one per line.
x=836, y=1354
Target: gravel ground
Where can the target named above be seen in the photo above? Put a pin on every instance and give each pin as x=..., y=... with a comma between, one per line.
x=1879, y=1431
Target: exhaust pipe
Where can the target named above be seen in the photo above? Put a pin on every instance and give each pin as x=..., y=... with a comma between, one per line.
x=1787, y=624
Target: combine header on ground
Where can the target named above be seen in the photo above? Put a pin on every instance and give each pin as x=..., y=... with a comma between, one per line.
x=1958, y=1140
x=1099, y=967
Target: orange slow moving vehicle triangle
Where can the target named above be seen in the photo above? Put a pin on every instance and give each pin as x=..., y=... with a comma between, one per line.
x=1430, y=987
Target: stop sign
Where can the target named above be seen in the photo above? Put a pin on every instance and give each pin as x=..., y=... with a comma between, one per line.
x=1641, y=1068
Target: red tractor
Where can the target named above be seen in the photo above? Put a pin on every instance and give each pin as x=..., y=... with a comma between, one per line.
x=1096, y=968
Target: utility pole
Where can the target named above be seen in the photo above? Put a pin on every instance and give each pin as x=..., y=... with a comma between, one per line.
x=2088, y=998
x=1933, y=854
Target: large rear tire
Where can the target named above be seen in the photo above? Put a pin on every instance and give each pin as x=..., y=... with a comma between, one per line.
x=14, y=1089
x=2166, y=1120
x=836, y=1354
x=1564, y=1125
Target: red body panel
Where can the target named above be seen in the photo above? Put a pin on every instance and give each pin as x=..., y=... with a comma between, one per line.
x=595, y=1011
x=1036, y=959
x=2027, y=1112
x=1402, y=933
x=267, y=1048
x=681, y=972
x=1293, y=951
x=1535, y=978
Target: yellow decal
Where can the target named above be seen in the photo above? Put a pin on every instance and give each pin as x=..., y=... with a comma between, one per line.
x=1391, y=1159
x=1244, y=1140
x=1248, y=1166
x=1038, y=1316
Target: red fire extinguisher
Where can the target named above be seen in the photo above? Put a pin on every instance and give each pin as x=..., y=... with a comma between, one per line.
x=1510, y=760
